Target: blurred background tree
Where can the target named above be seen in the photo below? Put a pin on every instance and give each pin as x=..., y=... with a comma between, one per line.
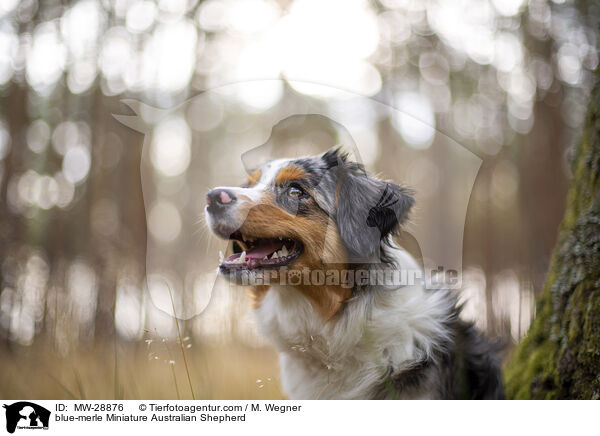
x=507, y=79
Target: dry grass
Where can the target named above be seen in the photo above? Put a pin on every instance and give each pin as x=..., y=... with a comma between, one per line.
x=143, y=372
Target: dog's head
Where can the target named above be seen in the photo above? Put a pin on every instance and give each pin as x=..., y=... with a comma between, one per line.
x=305, y=213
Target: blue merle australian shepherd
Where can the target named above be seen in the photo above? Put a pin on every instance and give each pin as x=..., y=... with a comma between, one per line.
x=300, y=222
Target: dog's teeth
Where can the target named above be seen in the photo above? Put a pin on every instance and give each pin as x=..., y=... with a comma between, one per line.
x=280, y=238
x=221, y=257
x=265, y=258
x=243, y=237
x=274, y=256
x=284, y=251
x=242, y=258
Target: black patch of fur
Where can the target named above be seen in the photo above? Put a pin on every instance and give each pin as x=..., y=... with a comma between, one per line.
x=481, y=358
x=465, y=368
x=332, y=158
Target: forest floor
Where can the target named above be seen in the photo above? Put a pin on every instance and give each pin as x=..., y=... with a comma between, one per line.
x=227, y=372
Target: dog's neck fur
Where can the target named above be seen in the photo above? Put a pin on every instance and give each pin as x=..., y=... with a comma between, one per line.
x=378, y=332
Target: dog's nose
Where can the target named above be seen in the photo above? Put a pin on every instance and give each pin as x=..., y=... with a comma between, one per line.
x=219, y=199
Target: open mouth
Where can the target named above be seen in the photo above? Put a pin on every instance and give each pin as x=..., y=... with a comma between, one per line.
x=253, y=253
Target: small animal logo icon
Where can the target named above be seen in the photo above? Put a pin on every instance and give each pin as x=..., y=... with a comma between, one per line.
x=26, y=415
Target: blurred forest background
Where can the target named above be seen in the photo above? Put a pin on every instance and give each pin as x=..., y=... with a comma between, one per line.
x=507, y=79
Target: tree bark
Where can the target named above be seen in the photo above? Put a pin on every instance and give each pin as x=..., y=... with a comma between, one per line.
x=560, y=357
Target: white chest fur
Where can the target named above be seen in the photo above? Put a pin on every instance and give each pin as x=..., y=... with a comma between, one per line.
x=347, y=358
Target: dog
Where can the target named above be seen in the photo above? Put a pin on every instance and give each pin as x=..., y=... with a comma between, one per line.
x=320, y=229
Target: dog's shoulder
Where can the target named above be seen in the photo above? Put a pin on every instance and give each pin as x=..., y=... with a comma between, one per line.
x=466, y=366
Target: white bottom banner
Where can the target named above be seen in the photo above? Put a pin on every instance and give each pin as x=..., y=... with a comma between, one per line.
x=299, y=417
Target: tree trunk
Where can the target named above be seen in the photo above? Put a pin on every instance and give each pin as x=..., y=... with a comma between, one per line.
x=560, y=357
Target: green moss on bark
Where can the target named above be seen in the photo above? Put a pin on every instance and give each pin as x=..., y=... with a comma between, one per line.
x=560, y=357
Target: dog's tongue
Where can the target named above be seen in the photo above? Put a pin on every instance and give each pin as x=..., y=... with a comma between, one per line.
x=264, y=249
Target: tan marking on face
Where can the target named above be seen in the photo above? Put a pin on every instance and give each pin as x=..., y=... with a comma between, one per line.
x=254, y=178
x=323, y=249
x=293, y=172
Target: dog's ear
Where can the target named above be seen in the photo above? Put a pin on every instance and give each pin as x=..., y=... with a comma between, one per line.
x=368, y=210
x=334, y=157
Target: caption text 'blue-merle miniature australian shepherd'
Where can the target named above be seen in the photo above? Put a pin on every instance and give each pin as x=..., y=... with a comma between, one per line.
x=300, y=223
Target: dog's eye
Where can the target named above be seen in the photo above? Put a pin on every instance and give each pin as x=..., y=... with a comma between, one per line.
x=295, y=191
